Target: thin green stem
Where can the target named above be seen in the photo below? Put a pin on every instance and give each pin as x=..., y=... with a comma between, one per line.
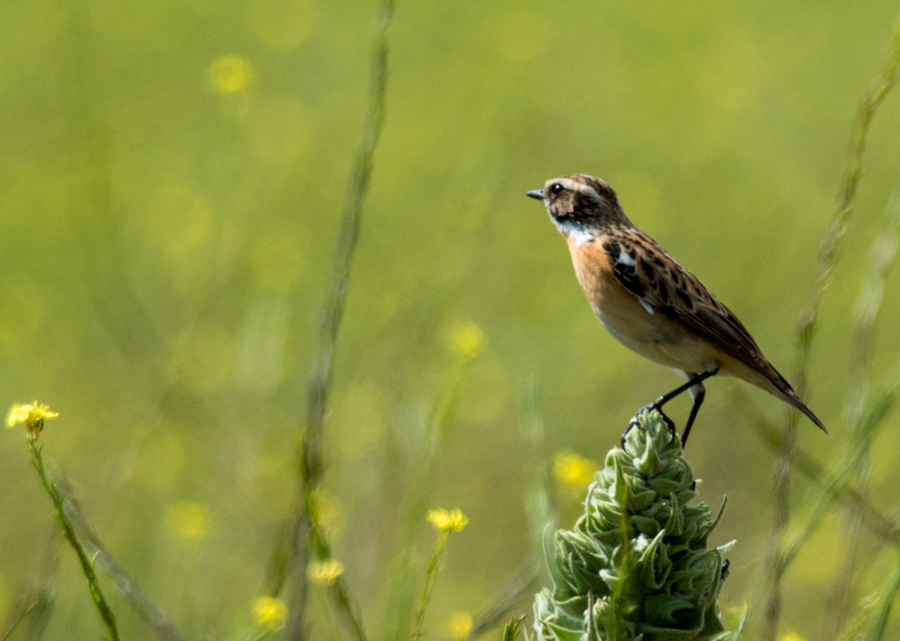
x=319, y=387
x=87, y=565
x=521, y=582
x=866, y=313
x=879, y=622
x=859, y=408
x=807, y=325
x=441, y=415
x=431, y=572
x=124, y=584
x=882, y=526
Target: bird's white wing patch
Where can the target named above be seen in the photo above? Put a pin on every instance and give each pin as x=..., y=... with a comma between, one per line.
x=646, y=306
x=625, y=259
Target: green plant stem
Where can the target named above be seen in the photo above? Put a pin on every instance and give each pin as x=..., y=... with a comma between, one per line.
x=520, y=583
x=87, y=566
x=124, y=584
x=34, y=600
x=531, y=433
x=878, y=523
x=863, y=413
x=441, y=415
x=318, y=390
x=808, y=323
x=879, y=622
x=866, y=312
x=431, y=572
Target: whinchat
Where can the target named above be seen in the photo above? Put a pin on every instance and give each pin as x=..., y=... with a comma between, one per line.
x=649, y=301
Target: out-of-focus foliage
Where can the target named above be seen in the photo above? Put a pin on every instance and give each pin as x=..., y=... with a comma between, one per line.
x=171, y=179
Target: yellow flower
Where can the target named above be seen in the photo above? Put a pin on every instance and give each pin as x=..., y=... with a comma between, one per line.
x=448, y=520
x=466, y=340
x=230, y=75
x=32, y=416
x=460, y=626
x=269, y=612
x=573, y=471
x=791, y=636
x=325, y=572
x=191, y=522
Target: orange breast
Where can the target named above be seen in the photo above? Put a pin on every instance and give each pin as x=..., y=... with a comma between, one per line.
x=652, y=335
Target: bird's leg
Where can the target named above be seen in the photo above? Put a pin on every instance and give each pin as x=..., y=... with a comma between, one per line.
x=698, y=393
x=665, y=398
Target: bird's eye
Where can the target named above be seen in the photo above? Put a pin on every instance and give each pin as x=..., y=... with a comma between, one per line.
x=557, y=189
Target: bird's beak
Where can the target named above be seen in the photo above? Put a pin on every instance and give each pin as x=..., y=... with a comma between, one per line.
x=535, y=193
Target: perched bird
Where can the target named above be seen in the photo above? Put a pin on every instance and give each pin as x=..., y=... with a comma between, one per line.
x=649, y=301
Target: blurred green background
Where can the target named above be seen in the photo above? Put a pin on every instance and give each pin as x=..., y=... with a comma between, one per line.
x=171, y=181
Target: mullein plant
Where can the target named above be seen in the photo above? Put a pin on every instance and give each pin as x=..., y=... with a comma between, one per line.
x=636, y=566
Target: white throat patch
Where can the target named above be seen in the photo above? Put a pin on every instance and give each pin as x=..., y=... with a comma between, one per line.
x=580, y=235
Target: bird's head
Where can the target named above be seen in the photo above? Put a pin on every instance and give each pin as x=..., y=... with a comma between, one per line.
x=581, y=204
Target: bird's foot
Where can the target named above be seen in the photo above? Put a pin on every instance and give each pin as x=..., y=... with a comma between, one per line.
x=635, y=423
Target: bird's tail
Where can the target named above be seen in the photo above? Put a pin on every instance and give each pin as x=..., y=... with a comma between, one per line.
x=783, y=390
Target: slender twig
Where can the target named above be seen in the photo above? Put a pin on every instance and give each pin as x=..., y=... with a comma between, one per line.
x=318, y=390
x=808, y=323
x=87, y=565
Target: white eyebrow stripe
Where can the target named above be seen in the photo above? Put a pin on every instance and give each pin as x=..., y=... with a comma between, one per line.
x=573, y=185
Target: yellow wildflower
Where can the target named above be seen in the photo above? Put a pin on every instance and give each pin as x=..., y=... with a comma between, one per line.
x=460, y=626
x=230, y=75
x=325, y=572
x=466, y=340
x=31, y=416
x=269, y=612
x=447, y=520
x=791, y=636
x=191, y=522
x=573, y=471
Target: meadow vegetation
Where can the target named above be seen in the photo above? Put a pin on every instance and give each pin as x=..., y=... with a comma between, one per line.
x=314, y=367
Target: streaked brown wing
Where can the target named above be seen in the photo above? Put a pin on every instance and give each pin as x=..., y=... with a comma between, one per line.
x=665, y=285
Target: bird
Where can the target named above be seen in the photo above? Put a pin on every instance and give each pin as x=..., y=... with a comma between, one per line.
x=650, y=302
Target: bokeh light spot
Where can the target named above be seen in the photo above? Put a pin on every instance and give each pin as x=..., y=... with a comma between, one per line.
x=460, y=626
x=189, y=522
x=230, y=75
x=283, y=24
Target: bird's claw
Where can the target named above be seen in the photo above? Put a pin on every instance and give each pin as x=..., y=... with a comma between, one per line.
x=635, y=423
